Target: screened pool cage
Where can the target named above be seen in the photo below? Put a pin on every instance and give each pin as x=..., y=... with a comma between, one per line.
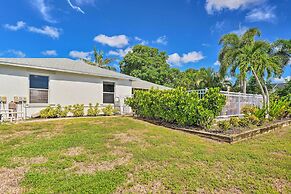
x=235, y=101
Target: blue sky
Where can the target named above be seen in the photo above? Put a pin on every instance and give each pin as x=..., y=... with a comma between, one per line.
x=188, y=30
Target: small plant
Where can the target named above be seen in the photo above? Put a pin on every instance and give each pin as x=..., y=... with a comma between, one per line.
x=234, y=121
x=253, y=120
x=249, y=109
x=109, y=110
x=78, y=110
x=224, y=125
x=244, y=122
x=93, y=111
x=65, y=111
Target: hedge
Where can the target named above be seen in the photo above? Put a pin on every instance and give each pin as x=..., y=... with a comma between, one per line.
x=178, y=106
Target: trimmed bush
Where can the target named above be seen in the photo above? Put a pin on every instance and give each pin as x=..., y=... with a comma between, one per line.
x=109, y=110
x=51, y=112
x=178, y=106
x=93, y=111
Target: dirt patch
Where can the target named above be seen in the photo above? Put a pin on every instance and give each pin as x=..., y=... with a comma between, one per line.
x=74, y=151
x=16, y=134
x=152, y=187
x=126, y=138
x=11, y=178
x=26, y=162
x=281, y=185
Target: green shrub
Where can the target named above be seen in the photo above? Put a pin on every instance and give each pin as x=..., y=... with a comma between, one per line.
x=54, y=112
x=244, y=122
x=234, y=121
x=281, y=108
x=77, y=110
x=93, y=111
x=253, y=119
x=224, y=125
x=65, y=111
x=249, y=109
x=178, y=106
x=109, y=110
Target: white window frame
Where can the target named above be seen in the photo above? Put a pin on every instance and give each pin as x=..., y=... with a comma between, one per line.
x=109, y=82
x=38, y=89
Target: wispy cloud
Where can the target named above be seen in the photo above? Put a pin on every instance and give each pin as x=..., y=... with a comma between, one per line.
x=49, y=53
x=46, y=30
x=266, y=13
x=80, y=54
x=19, y=25
x=120, y=52
x=141, y=41
x=212, y=6
x=118, y=41
x=44, y=8
x=191, y=57
x=240, y=31
x=12, y=53
x=282, y=79
x=217, y=63
x=77, y=8
x=161, y=40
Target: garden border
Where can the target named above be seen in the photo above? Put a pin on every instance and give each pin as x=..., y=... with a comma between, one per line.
x=224, y=138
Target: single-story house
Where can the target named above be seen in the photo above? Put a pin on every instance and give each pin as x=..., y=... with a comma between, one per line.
x=35, y=83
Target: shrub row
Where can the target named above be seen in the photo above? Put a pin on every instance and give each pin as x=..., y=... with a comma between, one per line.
x=77, y=110
x=178, y=106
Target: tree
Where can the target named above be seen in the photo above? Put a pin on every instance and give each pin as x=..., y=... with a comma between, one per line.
x=228, y=56
x=148, y=64
x=100, y=61
x=260, y=58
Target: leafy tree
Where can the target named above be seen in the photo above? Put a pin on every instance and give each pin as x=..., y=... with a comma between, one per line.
x=100, y=61
x=228, y=56
x=148, y=64
x=285, y=90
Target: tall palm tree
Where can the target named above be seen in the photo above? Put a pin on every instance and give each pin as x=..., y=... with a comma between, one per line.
x=228, y=56
x=100, y=61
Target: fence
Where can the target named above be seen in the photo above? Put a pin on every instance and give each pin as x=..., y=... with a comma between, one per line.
x=235, y=101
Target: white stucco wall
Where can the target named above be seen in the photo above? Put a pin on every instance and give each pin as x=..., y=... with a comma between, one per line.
x=64, y=88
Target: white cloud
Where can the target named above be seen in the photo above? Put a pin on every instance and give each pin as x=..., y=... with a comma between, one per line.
x=80, y=54
x=141, y=41
x=46, y=30
x=118, y=41
x=218, y=5
x=217, y=63
x=262, y=14
x=84, y=2
x=120, y=52
x=240, y=31
x=161, y=40
x=49, y=53
x=13, y=53
x=282, y=79
x=19, y=25
x=191, y=57
x=75, y=7
x=44, y=10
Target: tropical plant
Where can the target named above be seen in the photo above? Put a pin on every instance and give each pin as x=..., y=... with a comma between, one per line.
x=93, y=110
x=109, y=110
x=78, y=110
x=100, y=61
x=260, y=58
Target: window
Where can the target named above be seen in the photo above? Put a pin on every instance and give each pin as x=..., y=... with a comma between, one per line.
x=38, y=89
x=108, y=92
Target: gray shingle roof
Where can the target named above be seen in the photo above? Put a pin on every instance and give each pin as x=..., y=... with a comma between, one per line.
x=64, y=65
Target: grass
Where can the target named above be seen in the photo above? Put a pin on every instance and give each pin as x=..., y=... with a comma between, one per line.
x=124, y=155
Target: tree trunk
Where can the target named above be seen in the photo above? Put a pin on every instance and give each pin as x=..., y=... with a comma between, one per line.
x=261, y=87
x=267, y=99
x=244, y=86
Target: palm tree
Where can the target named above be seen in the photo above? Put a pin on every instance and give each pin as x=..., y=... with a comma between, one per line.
x=99, y=60
x=228, y=56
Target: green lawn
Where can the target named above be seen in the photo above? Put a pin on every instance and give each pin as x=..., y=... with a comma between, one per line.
x=124, y=155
